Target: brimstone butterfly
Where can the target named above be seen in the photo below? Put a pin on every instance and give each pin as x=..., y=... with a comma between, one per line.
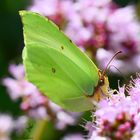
x=57, y=67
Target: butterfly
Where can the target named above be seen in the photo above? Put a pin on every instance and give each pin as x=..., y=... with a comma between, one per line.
x=58, y=68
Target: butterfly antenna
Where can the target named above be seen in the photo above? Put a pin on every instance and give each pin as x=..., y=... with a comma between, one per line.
x=104, y=71
x=109, y=69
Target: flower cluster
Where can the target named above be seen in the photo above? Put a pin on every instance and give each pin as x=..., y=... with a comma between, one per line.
x=117, y=118
x=73, y=137
x=9, y=125
x=55, y=10
x=32, y=101
x=97, y=27
x=35, y=104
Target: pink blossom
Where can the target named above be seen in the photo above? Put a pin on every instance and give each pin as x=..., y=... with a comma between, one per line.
x=73, y=137
x=56, y=10
x=125, y=66
x=63, y=118
x=8, y=125
x=18, y=87
x=122, y=35
x=118, y=117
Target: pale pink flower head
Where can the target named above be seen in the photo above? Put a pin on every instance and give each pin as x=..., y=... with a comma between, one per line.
x=123, y=35
x=16, y=71
x=118, y=117
x=56, y=10
x=63, y=118
x=134, y=88
x=86, y=27
x=6, y=126
x=73, y=137
x=125, y=66
x=18, y=87
x=16, y=84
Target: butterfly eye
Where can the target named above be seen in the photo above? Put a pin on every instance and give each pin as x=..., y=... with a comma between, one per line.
x=101, y=81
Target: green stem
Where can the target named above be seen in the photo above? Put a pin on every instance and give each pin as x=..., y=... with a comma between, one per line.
x=39, y=130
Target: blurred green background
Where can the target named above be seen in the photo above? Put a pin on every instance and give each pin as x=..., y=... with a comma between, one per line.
x=11, y=44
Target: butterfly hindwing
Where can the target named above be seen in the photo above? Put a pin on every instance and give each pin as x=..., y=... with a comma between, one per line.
x=55, y=65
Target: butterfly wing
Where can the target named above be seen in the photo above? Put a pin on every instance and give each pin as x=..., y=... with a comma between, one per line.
x=55, y=65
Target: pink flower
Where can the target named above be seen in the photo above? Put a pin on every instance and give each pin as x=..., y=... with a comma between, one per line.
x=63, y=118
x=9, y=125
x=122, y=35
x=126, y=66
x=73, y=137
x=118, y=117
x=6, y=126
x=56, y=10
x=18, y=87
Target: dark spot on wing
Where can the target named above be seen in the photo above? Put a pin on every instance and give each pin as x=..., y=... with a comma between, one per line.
x=53, y=70
x=70, y=40
x=62, y=47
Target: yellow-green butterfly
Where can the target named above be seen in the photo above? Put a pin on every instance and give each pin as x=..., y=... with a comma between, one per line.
x=58, y=68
